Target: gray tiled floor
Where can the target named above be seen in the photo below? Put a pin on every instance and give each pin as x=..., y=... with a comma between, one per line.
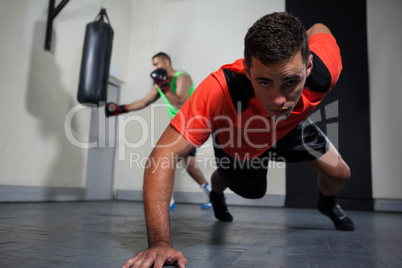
x=106, y=234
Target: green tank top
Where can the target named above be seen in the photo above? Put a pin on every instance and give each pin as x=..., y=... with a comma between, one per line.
x=172, y=111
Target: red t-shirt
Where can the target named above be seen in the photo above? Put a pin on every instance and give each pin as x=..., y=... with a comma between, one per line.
x=224, y=103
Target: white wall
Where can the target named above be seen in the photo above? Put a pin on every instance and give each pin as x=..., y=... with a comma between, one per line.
x=385, y=72
x=38, y=88
x=200, y=36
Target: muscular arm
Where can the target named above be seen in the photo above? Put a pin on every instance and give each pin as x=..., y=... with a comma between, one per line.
x=158, y=185
x=183, y=85
x=152, y=96
x=318, y=28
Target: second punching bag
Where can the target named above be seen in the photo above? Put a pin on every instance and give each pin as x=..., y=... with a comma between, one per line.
x=95, y=64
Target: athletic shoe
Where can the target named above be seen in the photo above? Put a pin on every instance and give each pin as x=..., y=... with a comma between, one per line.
x=207, y=205
x=172, y=207
x=337, y=215
x=219, y=205
x=206, y=188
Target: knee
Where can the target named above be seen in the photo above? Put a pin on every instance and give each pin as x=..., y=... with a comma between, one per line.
x=343, y=172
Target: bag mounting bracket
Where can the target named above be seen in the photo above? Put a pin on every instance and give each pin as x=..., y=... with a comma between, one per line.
x=52, y=13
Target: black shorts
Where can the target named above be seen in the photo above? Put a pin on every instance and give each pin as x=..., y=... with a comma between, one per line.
x=193, y=152
x=249, y=178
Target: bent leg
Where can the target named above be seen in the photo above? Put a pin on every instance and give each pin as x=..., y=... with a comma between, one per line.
x=192, y=169
x=333, y=174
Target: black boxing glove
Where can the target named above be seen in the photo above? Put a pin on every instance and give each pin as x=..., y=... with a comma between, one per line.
x=160, y=78
x=113, y=109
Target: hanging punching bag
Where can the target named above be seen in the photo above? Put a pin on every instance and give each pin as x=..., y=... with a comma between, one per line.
x=95, y=64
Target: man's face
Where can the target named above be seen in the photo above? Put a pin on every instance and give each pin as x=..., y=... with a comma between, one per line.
x=159, y=62
x=278, y=87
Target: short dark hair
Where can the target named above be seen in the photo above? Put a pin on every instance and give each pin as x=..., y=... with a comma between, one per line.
x=163, y=55
x=274, y=38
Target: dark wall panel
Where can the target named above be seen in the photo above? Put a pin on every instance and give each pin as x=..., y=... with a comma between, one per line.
x=345, y=113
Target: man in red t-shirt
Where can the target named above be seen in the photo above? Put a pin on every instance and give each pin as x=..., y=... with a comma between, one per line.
x=256, y=110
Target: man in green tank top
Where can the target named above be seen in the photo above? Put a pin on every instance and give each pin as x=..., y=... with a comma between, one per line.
x=175, y=88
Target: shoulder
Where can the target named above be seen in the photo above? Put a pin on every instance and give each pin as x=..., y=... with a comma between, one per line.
x=322, y=43
x=182, y=75
x=212, y=86
x=239, y=88
x=225, y=85
x=182, y=78
x=327, y=62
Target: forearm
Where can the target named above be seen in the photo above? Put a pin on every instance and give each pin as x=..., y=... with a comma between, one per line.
x=152, y=96
x=135, y=106
x=158, y=185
